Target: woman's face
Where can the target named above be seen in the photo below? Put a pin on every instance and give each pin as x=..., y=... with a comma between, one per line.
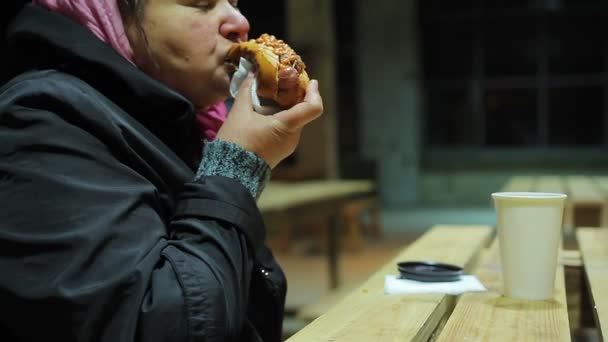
x=187, y=41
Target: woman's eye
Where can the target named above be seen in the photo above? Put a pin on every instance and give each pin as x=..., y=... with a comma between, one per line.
x=204, y=5
x=207, y=5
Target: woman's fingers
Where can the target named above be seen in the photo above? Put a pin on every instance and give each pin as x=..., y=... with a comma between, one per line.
x=243, y=98
x=272, y=137
x=304, y=112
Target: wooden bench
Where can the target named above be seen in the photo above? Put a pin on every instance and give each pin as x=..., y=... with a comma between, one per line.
x=588, y=201
x=593, y=244
x=367, y=314
x=352, y=213
x=354, y=198
x=519, y=184
x=602, y=184
x=286, y=205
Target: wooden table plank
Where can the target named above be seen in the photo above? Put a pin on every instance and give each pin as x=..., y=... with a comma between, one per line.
x=602, y=183
x=489, y=316
x=582, y=190
x=593, y=244
x=368, y=314
x=279, y=196
x=588, y=201
x=519, y=184
x=550, y=184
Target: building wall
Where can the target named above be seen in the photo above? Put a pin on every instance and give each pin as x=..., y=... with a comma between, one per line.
x=311, y=33
x=389, y=101
x=389, y=91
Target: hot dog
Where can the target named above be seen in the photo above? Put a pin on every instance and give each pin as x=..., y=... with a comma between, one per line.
x=280, y=72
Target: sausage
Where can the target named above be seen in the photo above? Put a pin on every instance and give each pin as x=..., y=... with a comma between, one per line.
x=288, y=78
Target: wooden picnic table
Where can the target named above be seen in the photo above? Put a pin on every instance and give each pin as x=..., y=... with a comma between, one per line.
x=368, y=314
x=489, y=316
x=311, y=201
x=587, y=202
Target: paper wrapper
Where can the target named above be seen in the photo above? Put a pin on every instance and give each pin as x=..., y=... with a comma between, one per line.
x=259, y=105
x=467, y=283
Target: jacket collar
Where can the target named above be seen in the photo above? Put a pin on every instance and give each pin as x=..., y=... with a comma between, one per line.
x=39, y=39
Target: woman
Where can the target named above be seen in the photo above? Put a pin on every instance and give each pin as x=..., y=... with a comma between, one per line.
x=117, y=225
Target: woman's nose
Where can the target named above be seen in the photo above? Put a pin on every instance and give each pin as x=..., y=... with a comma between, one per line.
x=235, y=27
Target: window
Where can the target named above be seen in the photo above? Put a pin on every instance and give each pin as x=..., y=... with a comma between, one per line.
x=515, y=73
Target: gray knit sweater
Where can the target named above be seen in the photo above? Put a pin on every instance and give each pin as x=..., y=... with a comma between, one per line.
x=222, y=158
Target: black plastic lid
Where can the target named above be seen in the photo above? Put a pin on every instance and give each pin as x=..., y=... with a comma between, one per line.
x=429, y=271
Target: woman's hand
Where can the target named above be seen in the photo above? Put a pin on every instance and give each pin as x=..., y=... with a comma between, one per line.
x=272, y=137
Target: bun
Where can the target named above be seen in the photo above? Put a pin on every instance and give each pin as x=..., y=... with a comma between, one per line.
x=275, y=63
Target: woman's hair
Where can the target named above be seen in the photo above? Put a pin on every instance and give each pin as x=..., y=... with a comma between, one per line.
x=132, y=10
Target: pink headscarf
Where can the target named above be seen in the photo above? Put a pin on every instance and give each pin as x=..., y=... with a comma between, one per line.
x=102, y=17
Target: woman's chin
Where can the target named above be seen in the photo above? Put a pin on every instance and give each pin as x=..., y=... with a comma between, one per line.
x=207, y=101
x=218, y=91
x=222, y=89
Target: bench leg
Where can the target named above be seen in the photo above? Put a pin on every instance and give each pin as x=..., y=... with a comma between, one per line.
x=568, y=218
x=352, y=214
x=353, y=241
x=604, y=217
x=285, y=237
x=333, y=246
x=375, y=225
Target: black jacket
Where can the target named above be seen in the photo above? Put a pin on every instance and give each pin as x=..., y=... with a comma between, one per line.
x=104, y=235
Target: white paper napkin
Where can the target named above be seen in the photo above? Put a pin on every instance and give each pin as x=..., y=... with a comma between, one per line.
x=393, y=284
x=259, y=105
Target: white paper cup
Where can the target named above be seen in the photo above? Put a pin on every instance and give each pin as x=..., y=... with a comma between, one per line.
x=529, y=231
